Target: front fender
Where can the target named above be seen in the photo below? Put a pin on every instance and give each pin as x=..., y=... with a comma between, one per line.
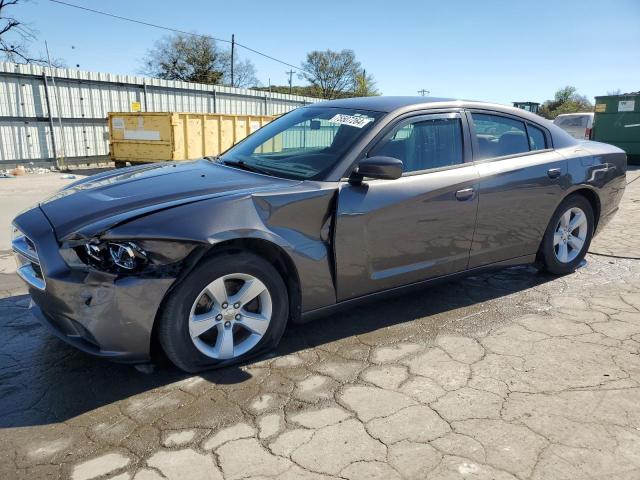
x=294, y=220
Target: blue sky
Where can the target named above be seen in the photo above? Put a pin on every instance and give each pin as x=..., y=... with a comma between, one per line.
x=493, y=50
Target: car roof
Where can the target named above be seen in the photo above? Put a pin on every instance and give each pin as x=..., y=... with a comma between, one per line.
x=381, y=103
x=390, y=104
x=402, y=105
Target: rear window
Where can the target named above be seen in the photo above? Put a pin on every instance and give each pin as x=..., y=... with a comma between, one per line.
x=572, y=121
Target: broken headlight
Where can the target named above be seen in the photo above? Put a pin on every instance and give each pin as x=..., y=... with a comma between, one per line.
x=113, y=256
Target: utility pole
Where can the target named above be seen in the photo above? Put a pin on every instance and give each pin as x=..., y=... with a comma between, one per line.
x=233, y=47
x=423, y=92
x=51, y=125
x=290, y=73
x=58, y=161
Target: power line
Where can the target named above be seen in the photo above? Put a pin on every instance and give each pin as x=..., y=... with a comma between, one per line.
x=266, y=56
x=132, y=20
x=170, y=29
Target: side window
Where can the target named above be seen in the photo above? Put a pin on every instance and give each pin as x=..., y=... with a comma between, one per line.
x=425, y=144
x=537, y=139
x=499, y=136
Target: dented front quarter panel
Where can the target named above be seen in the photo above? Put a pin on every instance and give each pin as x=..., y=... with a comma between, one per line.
x=297, y=220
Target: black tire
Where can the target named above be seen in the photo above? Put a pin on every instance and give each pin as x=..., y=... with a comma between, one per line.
x=173, y=326
x=120, y=164
x=547, y=258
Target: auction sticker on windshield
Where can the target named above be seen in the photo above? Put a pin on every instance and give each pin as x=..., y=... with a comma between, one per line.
x=357, y=121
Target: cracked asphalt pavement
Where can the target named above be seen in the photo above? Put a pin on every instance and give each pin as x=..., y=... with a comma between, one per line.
x=509, y=375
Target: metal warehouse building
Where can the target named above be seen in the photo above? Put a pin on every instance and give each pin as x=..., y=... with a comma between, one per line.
x=73, y=104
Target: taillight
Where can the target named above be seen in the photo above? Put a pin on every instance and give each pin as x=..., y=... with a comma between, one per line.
x=587, y=133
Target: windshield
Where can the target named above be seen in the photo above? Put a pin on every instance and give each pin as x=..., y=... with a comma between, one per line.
x=304, y=144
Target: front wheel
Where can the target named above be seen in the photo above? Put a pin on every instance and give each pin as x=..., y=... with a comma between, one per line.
x=230, y=308
x=568, y=236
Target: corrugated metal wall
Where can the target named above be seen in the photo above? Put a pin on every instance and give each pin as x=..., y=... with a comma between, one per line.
x=84, y=99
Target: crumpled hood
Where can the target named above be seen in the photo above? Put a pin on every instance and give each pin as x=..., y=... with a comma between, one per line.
x=140, y=190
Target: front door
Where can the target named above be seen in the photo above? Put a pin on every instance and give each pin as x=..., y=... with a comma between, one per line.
x=396, y=232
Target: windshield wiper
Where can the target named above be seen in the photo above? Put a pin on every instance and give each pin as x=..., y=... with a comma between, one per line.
x=245, y=166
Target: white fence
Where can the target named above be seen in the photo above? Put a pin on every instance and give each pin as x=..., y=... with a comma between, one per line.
x=75, y=109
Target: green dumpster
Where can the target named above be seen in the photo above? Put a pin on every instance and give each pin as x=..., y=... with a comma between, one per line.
x=617, y=121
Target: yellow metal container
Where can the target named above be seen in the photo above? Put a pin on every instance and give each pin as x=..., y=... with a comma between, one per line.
x=166, y=136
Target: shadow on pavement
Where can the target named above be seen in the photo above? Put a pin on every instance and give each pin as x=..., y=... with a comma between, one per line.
x=86, y=172
x=42, y=380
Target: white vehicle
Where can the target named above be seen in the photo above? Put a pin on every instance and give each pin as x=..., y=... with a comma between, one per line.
x=578, y=125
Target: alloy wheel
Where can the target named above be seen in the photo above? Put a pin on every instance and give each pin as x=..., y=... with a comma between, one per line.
x=570, y=235
x=230, y=316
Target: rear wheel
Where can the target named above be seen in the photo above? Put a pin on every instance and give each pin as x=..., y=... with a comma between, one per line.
x=568, y=236
x=230, y=308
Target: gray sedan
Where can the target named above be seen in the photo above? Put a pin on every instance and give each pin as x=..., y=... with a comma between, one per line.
x=327, y=206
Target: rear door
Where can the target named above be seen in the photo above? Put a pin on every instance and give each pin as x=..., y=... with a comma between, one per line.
x=395, y=232
x=522, y=180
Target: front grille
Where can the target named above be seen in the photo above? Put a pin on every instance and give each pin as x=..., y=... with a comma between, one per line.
x=37, y=270
x=29, y=268
x=30, y=245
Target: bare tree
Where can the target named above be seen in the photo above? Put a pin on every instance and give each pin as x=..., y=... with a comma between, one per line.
x=331, y=73
x=190, y=58
x=16, y=36
x=196, y=58
x=244, y=74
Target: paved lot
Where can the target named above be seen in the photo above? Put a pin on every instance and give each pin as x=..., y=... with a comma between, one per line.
x=507, y=375
x=21, y=192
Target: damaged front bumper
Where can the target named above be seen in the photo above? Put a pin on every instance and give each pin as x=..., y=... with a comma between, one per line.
x=100, y=313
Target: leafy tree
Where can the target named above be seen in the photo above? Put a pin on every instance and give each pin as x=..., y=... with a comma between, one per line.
x=365, y=85
x=16, y=36
x=566, y=100
x=334, y=74
x=196, y=58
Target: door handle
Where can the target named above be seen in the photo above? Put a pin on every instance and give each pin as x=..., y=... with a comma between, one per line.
x=554, y=172
x=465, y=194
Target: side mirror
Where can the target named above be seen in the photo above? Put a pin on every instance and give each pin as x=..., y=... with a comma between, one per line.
x=386, y=168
